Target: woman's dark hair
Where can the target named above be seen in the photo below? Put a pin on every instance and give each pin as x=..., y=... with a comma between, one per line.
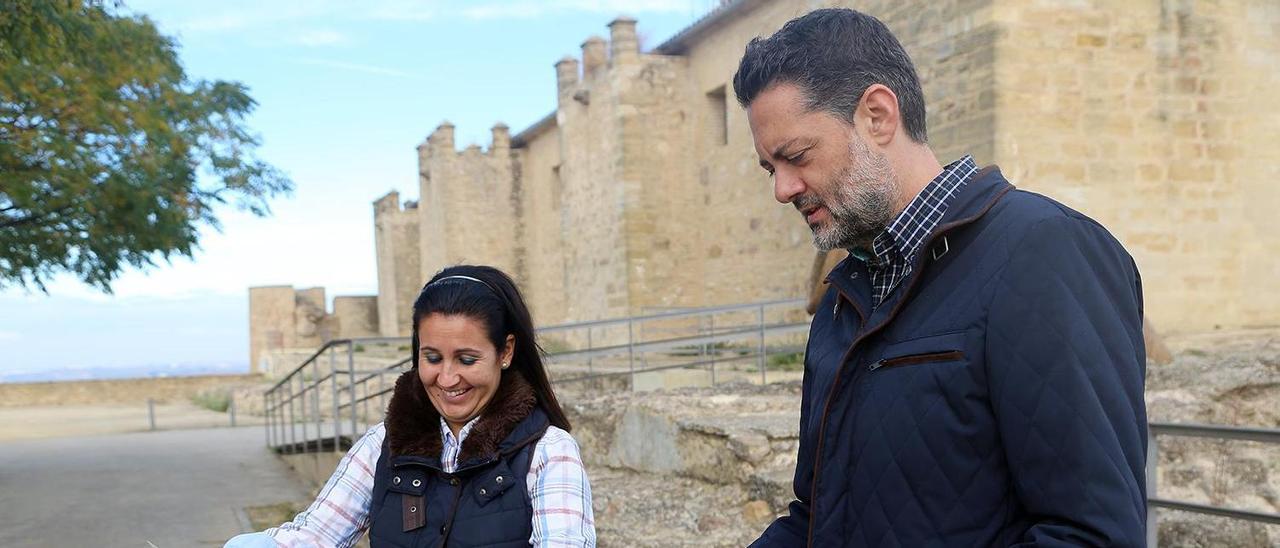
x=490, y=297
x=834, y=55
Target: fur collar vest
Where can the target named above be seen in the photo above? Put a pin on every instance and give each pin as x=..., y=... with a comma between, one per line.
x=413, y=424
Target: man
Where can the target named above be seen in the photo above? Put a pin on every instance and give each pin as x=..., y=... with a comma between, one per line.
x=974, y=374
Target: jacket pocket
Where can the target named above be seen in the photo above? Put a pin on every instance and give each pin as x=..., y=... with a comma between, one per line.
x=945, y=347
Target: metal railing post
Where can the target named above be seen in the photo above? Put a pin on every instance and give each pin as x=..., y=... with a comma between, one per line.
x=293, y=430
x=315, y=408
x=151, y=413
x=333, y=385
x=711, y=321
x=382, y=393
x=279, y=404
x=303, y=412
x=351, y=388
x=231, y=409
x=761, y=350
x=631, y=352
x=1153, y=461
x=266, y=414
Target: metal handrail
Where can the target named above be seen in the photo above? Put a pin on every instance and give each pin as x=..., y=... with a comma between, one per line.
x=670, y=315
x=1241, y=433
x=293, y=402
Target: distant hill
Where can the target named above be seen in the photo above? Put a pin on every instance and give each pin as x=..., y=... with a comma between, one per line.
x=129, y=372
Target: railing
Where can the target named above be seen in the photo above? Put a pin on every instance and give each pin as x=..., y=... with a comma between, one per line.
x=1156, y=430
x=324, y=403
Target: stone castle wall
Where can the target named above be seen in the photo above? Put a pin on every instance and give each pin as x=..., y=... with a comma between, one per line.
x=468, y=213
x=355, y=316
x=642, y=190
x=545, y=283
x=399, y=274
x=1151, y=118
x=284, y=321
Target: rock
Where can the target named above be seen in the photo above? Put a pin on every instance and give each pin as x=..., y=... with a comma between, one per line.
x=757, y=511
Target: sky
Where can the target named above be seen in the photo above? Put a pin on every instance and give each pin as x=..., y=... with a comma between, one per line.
x=345, y=92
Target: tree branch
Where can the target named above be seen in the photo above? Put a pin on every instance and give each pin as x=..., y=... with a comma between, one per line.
x=29, y=219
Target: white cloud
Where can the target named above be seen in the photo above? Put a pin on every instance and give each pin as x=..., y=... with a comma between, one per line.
x=320, y=38
x=240, y=16
x=9, y=336
x=358, y=67
x=524, y=9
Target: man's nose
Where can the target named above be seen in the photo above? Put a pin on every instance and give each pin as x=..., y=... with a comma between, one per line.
x=787, y=185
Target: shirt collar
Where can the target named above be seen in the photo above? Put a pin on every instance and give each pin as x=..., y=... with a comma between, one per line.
x=446, y=434
x=909, y=229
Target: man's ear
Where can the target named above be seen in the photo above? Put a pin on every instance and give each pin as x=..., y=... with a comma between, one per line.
x=878, y=114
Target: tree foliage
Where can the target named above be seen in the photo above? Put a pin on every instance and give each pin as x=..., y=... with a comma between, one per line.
x=109, y=155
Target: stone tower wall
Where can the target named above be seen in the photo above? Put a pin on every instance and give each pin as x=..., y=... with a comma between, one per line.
x=399, y=272
x=468, y=207
x=545, y=284
x=355, y=316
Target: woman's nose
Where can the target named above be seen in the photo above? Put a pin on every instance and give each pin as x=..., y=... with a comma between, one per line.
x=448, y=376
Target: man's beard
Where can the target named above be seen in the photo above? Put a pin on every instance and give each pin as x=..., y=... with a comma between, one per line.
x=862, y=202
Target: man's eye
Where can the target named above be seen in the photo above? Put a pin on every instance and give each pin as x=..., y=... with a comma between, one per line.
x=798, y=157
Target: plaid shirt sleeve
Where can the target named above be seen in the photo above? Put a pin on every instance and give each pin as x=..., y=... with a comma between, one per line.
x=561, y=495
x=340, y=514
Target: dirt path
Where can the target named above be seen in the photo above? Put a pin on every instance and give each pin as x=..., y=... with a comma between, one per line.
x=18, y=423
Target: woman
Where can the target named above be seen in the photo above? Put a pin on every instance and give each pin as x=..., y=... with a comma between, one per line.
x=474, y=451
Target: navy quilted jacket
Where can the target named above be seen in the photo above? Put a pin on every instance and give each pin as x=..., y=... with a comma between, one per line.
x=994, y=399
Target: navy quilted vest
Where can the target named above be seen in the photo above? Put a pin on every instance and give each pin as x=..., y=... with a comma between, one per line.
x=485, y=502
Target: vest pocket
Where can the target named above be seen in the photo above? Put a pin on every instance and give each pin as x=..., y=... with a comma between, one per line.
x=492, y=483
x=918, y=359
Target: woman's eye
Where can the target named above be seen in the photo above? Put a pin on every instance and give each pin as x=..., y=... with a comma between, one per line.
x=432, y=358
x=467, y=360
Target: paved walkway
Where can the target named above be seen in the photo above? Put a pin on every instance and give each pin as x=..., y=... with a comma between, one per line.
x=168, y=488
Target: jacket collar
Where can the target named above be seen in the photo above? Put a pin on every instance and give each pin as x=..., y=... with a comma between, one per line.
x=969, y=204
x=413, y=424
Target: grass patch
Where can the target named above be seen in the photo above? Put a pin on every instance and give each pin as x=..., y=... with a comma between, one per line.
x=790, y=361
x=213, y=401
x=553, y=345
x=271, y=515
x=359, y=348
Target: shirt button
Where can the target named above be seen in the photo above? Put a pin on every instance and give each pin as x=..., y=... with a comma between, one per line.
x=417, y=483
x=395, y=480
x=444, y=528
x=498, y=479
x=413, y=509
x=483, y=492
x=453, y=481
